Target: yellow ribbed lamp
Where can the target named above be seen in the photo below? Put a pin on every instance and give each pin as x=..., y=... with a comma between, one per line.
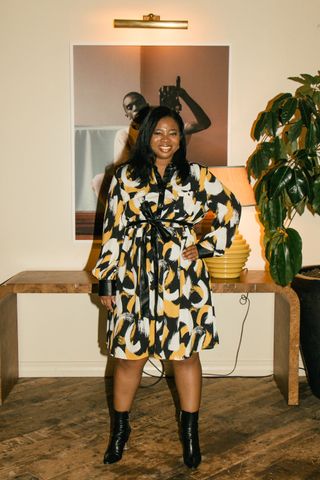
x=234, y=259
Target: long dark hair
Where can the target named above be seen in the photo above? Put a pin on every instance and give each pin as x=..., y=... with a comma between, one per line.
x=143, y=158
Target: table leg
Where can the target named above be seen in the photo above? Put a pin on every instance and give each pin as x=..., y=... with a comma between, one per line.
x=286, y=344
x=8, y=344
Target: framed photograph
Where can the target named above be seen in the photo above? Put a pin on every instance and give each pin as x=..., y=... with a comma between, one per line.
x=114, y=85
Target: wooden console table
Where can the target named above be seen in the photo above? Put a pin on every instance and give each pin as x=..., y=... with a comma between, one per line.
x=286, y=319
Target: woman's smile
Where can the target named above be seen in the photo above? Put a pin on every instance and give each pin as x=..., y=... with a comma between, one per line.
x=165, y=148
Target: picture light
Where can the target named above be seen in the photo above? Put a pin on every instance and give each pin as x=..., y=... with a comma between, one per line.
x=150, y=21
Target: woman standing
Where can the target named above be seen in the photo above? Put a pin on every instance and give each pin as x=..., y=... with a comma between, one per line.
x=153, y=280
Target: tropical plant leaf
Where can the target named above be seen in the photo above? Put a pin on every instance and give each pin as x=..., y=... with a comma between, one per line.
x=298, y=188
x=262, y=185
x=294, y=243
x=301, y=206
x=280, y=179
x=261, y=125
x=295, y=130
x=316, y=195
x=272, y=212
x=311, y=104
x=266, y=153
x=288, y=109
x=259, y=160
x=269, y=244
x=317, y=125
x=305, y=161
x=259, y=189
x=304, y=91
x=308, y=78
x=285, y=255
x=272, y=123
x=280, y=149
x=297, y=79
x=317, y=79
x=298, y=208
x=254, y=164
x=311, y=137
x=316, y=97
x=305, y=112
x=277, y=101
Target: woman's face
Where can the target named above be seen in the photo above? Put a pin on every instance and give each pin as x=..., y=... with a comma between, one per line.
x=165, y=139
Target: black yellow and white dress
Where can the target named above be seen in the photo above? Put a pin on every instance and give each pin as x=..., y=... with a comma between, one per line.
x=164, y=304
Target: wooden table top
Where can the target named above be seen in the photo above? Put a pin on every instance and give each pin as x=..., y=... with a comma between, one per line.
x=80, y=281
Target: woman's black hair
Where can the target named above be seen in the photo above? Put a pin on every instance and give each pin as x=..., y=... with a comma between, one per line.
x=143, y=158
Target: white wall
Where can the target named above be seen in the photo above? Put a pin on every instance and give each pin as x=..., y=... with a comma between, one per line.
x=269, y=42
x=61, y=335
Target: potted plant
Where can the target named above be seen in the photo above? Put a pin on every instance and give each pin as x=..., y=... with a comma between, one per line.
x=286, y=168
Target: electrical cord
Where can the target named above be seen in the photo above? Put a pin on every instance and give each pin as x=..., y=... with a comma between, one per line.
x=244, y=300
x=158, y=377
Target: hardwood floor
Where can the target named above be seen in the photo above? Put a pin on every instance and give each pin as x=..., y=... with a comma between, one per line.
x=57, y=429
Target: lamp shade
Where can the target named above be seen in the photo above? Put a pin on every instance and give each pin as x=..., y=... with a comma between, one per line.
x=236, y=180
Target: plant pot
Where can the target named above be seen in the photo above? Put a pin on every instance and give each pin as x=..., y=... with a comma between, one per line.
x=308, y=290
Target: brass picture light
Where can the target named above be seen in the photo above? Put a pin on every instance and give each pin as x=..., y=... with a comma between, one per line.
x=150, y=21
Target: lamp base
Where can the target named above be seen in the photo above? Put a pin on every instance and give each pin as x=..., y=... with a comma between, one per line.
x=231, y=264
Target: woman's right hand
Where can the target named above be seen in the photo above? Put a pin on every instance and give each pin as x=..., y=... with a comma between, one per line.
x=108, y=301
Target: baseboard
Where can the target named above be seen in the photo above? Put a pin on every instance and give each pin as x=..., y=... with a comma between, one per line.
x=62, y=369
x=98, y=369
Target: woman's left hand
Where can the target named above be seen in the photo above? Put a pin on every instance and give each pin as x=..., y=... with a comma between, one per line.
x=190, y=253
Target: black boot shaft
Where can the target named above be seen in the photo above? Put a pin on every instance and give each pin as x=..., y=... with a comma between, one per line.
x=120, y=435
x=190, y=439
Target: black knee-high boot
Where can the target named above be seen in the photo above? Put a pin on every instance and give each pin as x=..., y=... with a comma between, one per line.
x=119, y=437
x=190, y=439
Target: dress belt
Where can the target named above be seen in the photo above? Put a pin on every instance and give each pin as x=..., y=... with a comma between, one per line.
x=157, y=230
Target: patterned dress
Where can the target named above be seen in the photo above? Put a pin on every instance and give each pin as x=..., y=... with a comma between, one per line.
x=164, y=303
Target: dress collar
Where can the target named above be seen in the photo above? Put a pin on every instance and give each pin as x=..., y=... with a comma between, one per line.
x=162, y=181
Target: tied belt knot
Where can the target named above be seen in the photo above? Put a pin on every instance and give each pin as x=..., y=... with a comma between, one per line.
x=157, y=230
x=157, y=227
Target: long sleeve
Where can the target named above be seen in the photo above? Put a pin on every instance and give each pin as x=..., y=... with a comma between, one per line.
x=112, y=239
x=226, y=210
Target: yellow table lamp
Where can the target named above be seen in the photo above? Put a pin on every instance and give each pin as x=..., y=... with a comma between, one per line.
x=234, y=259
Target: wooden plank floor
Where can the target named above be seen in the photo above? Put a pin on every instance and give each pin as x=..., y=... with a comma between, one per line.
x=57, y=429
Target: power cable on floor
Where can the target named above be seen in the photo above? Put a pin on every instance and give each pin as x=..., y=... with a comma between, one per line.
x=244, y=300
